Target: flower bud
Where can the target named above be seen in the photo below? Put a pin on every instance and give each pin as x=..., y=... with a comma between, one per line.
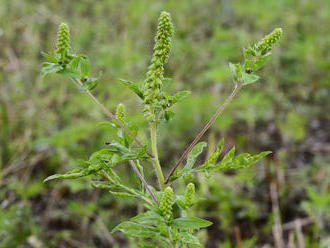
x=265, y=45
x=153, y=84
x=63, y=47
x=189, y=197
x=165, y=205
x=120, y=113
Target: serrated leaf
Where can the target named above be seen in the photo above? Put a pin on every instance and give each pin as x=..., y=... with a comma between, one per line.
x=132, y=87
x=191, y=159
x=169, y=115
x=187, y=238
x=85, y=67
x=149, y=217
x=75, y=62
x=135, y=230
x=90, y=84
x=242, y=161
x=77, y=173
x=249, y=78
x=190, y=223
x=69, y=72
x=260, y=61
x=179, y=96
x=49, y=57
x=48, y=68
x=235, y=70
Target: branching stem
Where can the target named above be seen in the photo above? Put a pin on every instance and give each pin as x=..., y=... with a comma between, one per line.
x=142, y=180
x=203, y=131
x=111, y=116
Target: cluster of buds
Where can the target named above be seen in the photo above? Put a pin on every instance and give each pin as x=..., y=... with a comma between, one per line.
x=258, y=54
x=165, y=205
x=120, y=113
x=189, y=197
x=63, y=48
x=265, y=45
x=153, y=84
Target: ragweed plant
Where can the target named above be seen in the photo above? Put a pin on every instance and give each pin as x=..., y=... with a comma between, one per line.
x=158, y=226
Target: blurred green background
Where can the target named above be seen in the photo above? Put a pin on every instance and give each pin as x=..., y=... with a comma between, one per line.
x=47, y=125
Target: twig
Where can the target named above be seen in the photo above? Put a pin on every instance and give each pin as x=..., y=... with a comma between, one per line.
x=303, y=222
x=142, y=180
x=112, y=116
x=203, y=131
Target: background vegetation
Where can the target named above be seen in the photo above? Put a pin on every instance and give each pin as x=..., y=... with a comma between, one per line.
x=45, y=127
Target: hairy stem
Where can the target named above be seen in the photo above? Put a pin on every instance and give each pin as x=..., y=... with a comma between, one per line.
x=111, y=116
x=155, y=160
x=142, y=180
x=203, y=131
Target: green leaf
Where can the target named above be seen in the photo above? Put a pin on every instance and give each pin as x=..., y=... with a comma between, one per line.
x=212, y=159
x=149, y=217
x=75, y=62
x=235, y=70
x=242, y=161
x=192, y=156
x=179, y=96
x=132, y=87
x=48, y=68
x=77, y=173
x=187, y=238
x=69, y=72
x=190, y=223
x=135, y=230
x=260, y=61
x=249, y=78
x=85, y=67
x=90, y=84
x=191, y=159
x=169, y=115
x=50, y=58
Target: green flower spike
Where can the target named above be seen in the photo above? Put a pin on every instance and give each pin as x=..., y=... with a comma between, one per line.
x=63, y=47
x=266, y=44
x=165, y=205
x=189, y=197
x=153, y=84
x=120, y=113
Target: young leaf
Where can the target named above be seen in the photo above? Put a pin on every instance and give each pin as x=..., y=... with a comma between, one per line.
x=135, y=230
x=191, y=159
x=249, y=78
x=169, y=115
x=90, y=84
x=69, y=72
x=235, y=70
x=187, y=238
x=132, y=87
x=179, y=96
x=85, y=67
x=149, y=217
x=48, y=68
x=77, y=173
x=190, y=223
x=50, y=58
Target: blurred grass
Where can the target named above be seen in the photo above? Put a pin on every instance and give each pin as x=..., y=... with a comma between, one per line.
x=46, y=126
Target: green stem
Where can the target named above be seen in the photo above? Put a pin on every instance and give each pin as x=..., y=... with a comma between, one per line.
x=111, y=115
x=155, y=160
x=206, y=127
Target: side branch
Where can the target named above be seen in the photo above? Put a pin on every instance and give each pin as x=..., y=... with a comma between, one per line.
x=142, y=180
x=112, y=116
x=203, y=131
